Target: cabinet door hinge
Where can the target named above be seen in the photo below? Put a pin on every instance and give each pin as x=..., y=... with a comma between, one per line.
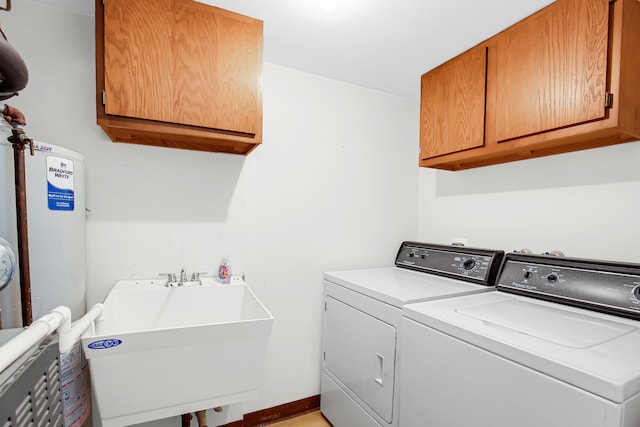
x=104, y=98
x=608, y=100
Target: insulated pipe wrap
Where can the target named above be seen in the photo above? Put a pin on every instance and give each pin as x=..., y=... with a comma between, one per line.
x=13, y=71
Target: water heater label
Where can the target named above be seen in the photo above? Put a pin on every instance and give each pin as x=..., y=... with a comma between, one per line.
x=60, y=184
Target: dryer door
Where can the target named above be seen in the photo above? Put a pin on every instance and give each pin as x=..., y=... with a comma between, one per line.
x=360, y=351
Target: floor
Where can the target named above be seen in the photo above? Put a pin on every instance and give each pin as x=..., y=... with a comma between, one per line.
x=312, y=419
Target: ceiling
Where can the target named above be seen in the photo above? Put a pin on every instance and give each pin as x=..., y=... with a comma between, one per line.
x=385, y=45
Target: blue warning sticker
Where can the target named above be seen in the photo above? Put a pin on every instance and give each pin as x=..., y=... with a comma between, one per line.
x=60, y=184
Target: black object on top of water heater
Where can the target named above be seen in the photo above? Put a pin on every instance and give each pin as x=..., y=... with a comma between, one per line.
x=13, y=70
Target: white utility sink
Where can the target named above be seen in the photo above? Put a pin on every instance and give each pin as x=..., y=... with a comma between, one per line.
x=161, y=351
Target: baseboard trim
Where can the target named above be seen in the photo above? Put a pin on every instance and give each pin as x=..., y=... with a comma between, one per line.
x=278, y=413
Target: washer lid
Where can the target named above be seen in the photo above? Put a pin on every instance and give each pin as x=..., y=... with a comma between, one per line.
x=593, y=351
x=397, y=286
x=552, y=324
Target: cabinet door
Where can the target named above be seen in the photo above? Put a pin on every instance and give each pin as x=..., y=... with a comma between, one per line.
x=137, y=58
x=551, y=69
x=182, y=62
x=217, y=68
x=453, y=105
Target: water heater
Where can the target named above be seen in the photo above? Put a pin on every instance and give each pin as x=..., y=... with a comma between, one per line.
x=57, y=233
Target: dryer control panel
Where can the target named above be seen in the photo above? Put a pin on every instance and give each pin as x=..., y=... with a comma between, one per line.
x=470, y=264
x=598, y=285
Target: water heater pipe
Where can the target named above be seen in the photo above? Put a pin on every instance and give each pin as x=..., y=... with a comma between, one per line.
x=19, y=139
x=202, y=418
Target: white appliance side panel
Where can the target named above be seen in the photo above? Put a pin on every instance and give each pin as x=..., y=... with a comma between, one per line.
x=448, y=382
x=340, y=409
x=631, y=412
x=360, y=350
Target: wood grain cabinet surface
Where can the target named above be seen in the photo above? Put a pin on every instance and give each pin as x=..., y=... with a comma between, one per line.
x=452, y=105
x=178, y=73
x=561, y=80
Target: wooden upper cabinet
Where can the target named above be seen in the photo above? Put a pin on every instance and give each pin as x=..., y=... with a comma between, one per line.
x=551, y=69
x=137, y=58
x=224, y=65
x=561, y=80
x=179, y=73
x=452, y=105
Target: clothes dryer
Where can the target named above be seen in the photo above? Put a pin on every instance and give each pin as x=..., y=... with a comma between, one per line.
x=363, y=313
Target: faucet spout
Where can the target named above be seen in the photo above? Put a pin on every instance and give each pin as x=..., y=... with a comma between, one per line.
x=183, y=276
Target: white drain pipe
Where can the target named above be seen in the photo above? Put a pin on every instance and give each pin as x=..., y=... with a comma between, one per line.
x=69, y=336
x=58, y=319
x=32, y=335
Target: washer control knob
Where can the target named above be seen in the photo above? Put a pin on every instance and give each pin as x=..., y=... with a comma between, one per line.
x=636, y=292
x=552, y=278
x=469, y=264
x=528, y=274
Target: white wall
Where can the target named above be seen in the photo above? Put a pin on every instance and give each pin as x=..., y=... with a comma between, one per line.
x=585, y=204
x=332, y=187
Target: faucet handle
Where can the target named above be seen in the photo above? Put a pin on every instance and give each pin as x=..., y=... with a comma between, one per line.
x=195, y=276
x=171, y=278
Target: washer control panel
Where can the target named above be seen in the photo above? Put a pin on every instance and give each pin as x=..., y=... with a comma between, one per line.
x=599, y=285
x=470, y=264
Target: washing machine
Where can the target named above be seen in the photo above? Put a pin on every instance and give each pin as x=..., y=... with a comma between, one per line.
x=557, y=344
x=362, y=318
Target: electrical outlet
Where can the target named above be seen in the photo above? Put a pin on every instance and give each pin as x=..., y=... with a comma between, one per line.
x=460, y=241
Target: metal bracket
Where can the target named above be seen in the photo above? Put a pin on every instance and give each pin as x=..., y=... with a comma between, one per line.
x=608, y=100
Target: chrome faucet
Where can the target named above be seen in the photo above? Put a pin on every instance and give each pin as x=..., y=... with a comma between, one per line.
x=183, y=276
x=183, y=279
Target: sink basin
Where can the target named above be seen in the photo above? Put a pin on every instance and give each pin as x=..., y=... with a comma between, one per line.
x=161, y=351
